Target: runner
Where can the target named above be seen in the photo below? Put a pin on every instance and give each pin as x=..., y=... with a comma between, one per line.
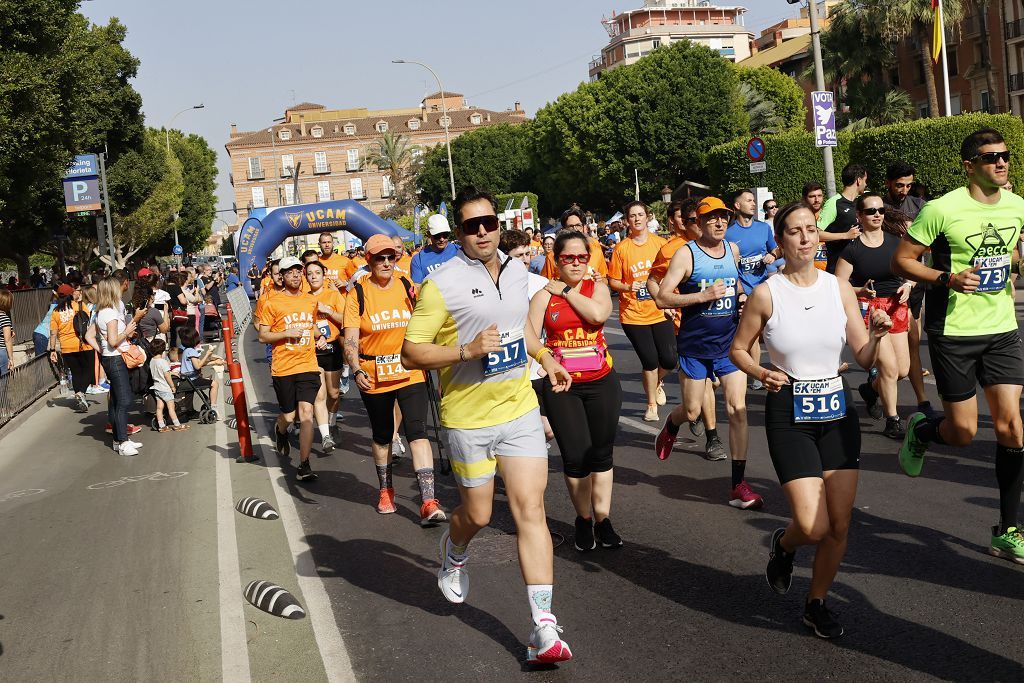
x=806, y=317
x=866, y=265
x=433, y=255
x=404, y=264
x=69, y=324
x=334, y=263
x=287, y=322
x=572, y=311
x=376, y=315
x=971, y=322
x=573, y=219
x=706, y=272
x=330, y=318
x=471, y=324
x=899, y=179
x=814, y=196
x=838, y=217
x=274, y=286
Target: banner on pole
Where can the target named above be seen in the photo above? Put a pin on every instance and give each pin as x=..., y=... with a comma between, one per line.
x=824, y=108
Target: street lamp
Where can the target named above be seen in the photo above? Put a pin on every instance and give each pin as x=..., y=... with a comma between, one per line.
x=666, y=194
x=445, y=120
x=167, y=142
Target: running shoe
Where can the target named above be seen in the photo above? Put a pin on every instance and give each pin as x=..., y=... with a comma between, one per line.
x=546, y=647
x=584, y=540
x=912, y=450
x=293, y=429
x=344, y=385
x=715, y=450
x=894, y=428
x=1009, y=546
x=305, y=472
x=132, y=429
x=452, y=577
x=134, y=444
x=744, y=498
x=606, y=535
x=93, y=389
x=697, y=426
x=127, y=448
x=652, y=414
x=820, y=619
x=659, y=395
x=431, y=513
x=779, y=571
x=283, y=447
x=104, y=385
x=927, y=409
x=327, y=443
x=663, y=444
x=870, y=398
x=81, y=405
x=386, y=502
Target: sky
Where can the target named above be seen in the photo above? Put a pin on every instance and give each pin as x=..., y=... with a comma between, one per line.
x=247, y=61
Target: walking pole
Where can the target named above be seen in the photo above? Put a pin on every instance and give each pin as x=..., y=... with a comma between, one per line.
x=444, y=463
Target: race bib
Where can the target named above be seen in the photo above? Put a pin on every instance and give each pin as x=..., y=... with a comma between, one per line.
x=821, y=257
x=643, y=295
x=752, y=264
x=818, y=400
x=994, y=273
x=389, y=368
x=511, y=356
x=724, y=306
x=325, y=329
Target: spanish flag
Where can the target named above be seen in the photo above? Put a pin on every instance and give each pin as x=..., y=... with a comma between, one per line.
x=936, y=30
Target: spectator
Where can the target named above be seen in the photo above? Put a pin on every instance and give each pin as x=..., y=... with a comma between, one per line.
x=37, y=279
x=233, y=282
x=537, y=262
x=899, y=180
x=6, y=332
x=770, y=208
x=113, y=333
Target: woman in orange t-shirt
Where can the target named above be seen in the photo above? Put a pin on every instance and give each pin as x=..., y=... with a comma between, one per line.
x=377, y=312
x=649, y=331
x=79, y=357
x=330, y=318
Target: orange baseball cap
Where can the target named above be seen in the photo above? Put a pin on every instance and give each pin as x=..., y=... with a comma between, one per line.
x=378, y=243
x=709, y=204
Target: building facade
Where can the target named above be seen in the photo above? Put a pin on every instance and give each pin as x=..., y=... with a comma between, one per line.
x=634, y=33
x=319, y=154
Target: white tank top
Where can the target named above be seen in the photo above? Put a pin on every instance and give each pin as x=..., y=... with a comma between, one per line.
x=806, y=332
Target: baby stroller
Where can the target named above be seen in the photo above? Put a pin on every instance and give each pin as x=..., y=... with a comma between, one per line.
x=184, y=403
x=213, y=329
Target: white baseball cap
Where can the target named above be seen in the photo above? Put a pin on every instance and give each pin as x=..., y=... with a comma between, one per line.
x=438, y=224
x=289, y=262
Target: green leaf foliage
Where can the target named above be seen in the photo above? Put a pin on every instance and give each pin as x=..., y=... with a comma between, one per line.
x=781, y=90
x=517, y=199
x=198, y=201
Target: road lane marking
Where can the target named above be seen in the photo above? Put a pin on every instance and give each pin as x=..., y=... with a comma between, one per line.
x=643, y=427
x=155, y=476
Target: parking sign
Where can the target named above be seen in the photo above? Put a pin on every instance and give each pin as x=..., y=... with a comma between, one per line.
x=824, y=110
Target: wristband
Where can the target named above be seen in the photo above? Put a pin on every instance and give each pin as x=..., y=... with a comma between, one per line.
x=462, y=352
x=565, y=292
x=540, y=354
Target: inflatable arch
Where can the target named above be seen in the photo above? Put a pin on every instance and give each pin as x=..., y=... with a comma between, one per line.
x=259, y=237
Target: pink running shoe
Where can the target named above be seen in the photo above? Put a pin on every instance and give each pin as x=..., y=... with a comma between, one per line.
x=663, y=444
x=744, y=498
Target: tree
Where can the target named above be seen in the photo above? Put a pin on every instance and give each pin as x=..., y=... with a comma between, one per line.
x=872, y=105
x=782, y=92
x=395, y=155
x=760, y=111
x=65, y=90
x=198, y=198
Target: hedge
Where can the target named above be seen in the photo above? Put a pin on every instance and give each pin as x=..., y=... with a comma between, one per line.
x=517, y=199
x=932, y=146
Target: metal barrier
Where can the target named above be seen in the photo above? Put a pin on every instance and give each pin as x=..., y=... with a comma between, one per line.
x=241, y=310
x=24, y=385
x=30, y=305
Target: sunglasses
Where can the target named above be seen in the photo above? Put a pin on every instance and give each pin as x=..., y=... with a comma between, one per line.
x=871, y=211
x=471, y=226
x=566, y=259
x=381, y=258
x=441, y=236
x=992, y=157
x=771, y=207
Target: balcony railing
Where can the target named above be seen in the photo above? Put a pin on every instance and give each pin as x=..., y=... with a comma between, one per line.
x=256, y=175
x=972, y=25
x=360, y=196
x=353, y=166
x=1014, y=29
x=322, y=170
x=1016, y=82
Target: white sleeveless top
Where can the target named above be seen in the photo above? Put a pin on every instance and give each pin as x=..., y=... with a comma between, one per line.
x=806, y=332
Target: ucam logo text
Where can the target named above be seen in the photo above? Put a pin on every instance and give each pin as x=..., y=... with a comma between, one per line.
x=386, y=316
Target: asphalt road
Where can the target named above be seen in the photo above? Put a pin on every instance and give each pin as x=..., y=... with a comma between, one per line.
x=143, y=580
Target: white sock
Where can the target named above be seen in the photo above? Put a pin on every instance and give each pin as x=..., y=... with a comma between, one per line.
x=344, y=371
x=539, y=595
x=457, y=553
x=324, y=430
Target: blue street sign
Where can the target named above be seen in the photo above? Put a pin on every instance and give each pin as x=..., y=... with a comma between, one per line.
x=824, y=114
x=177, y=250
x=83, y=166
x=756, y=149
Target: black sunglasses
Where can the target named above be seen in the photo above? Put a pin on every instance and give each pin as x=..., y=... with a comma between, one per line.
x=771, y=206
x=441, y=236
x=871, y=211
x=992, y=157
x=471, y=226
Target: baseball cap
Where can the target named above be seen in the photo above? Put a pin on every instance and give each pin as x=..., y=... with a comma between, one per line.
x=144, y=272
x=438, y=224
x=65, y=290
x=709, y=204
x=378, y=243
x=289, y=262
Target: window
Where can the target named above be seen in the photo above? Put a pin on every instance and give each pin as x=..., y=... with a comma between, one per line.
x=320, y=163
x=284, y=134
x=382, y=126
x=444, y=121
x=954, y=105
x=317, y=132
x=986, y=101
x=350, y=129
x=356, y=188
x=323, y=190
x=923, y=109
x=387, y=187
x=414, y=124
x=353, y=159
x=951, y=61
x=475, y=119
x=255, y=169
x=258, y=200
x=287, y=165
x=289, y=194
x=655, y=44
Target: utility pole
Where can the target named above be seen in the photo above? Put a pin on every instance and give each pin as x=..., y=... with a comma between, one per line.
x=819, y=79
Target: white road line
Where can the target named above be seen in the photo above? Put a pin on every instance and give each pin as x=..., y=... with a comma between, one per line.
x=333, y=652
x=234, y=650
x=642, y=426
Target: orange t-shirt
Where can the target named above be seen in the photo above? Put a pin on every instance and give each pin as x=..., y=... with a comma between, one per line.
x=354, y=264
x=631, y=262
x=285, y=310
x=335, y=266
x=405, y=264
x=265, y=293
x=330, y=296
x=597, y=263
x=62, y=324
x=660, y=266
x=386, y=314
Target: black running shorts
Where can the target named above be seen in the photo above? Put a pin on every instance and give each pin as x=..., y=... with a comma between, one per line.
x=293, y=389
x=331, y=360
x=810, y=448
x=916, y=300
x=962, y=363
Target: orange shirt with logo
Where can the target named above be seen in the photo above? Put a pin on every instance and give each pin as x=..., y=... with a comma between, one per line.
x=386, y=314
x=284, y=310
x=405, y=264
x=62, y=324
x=660, y=266
x=265, y=293
x=329, y=296
x=335, y=267
x=631, y=262
x=597, y=265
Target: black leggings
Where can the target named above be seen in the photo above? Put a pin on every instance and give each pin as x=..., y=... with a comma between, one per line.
x=380, y=408
x=810, y=448
x=584, y=420
x=82, y=365
x=655, y=344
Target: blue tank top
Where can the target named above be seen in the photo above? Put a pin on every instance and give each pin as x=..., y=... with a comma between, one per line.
x=706, y=330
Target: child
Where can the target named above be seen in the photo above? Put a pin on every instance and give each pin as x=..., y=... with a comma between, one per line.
x=193, y=360
x=163, y=387
x=174, y=356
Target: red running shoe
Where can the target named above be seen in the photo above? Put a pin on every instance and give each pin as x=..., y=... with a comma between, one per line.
x=386, y=504
x=431, y=513
x=132, y=429
x=663, y=444
x=744, y=498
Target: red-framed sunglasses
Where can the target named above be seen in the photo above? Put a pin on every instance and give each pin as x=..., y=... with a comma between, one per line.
x=566, y=259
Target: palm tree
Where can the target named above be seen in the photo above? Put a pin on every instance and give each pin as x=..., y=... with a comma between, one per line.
x=877, y=105
x=394, y=154
x=981, y=15
x=760, y=110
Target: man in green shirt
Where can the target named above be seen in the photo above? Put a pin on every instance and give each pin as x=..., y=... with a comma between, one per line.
x=973, y=232
x=837, y=223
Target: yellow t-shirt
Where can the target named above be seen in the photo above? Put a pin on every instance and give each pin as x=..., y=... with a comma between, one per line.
x=631, y=262
x=386, y=314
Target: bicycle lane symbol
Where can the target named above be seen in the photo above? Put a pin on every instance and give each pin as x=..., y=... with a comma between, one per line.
x=24, y=493
x=155, y=476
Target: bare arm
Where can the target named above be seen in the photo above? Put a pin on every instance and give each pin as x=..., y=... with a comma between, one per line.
x=169, y=378
x=850, y=234
x=679, y=270
x=538, y=304
x=619, y=285
x=268, y=337
x=844, y=270
x=593, y=309
x=863, y=344
x=756, y=313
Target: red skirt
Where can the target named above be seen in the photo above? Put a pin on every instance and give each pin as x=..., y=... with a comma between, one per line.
x=899, y=313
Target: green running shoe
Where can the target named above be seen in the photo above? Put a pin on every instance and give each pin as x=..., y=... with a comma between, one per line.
x=1009, y=546
x=912, y=450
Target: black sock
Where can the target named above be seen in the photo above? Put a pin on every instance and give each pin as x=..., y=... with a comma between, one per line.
x=711, y=434
x=928, y=430
x=672, y=427
x=739, y=467
x=1009, y=474
x=872, y=395
x=384, y=476
x=425, y=478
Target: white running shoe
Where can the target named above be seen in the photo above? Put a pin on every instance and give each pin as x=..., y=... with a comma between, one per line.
x=127, y=448
x=397, y=448
x=135, y=444
x=452, y=578
x=546, y=647
x=93, y=389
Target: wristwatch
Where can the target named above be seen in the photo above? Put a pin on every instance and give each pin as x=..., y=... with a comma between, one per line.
x=943, y=279
x=565, y=292
x=362, y=371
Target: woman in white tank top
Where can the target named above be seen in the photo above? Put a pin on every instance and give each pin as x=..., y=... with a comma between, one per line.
x=806, y=316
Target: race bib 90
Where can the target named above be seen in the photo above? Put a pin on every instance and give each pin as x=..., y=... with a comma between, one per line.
x=818, y=400
x=511, y=356
x=994, y=273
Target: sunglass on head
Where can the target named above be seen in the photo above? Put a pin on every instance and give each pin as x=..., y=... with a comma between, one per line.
x=471, y=226
x=566, y=259
x=871, y=211
x=992, y=157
